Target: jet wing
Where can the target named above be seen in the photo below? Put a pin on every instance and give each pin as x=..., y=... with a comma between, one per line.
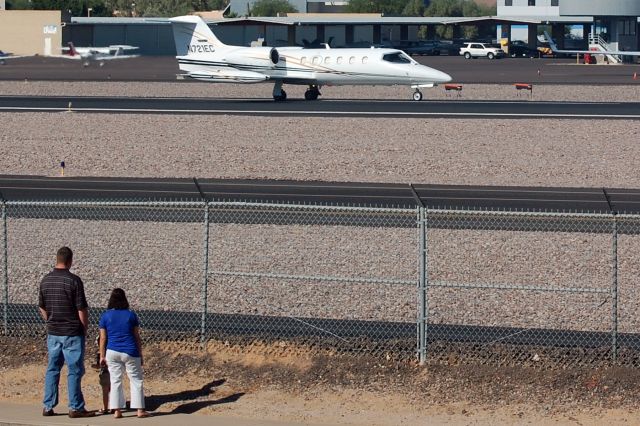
x=110, y=57
x=122, y=47
x=227, y=75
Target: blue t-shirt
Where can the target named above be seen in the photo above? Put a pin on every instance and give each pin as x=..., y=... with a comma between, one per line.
x=119, y=324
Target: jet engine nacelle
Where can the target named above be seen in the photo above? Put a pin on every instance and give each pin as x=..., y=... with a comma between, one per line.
x=254, y=56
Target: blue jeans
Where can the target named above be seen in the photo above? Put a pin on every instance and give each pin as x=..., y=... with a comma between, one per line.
x=69, y=349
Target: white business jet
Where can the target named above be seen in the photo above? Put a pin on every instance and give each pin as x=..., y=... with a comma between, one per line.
x=87, y=54
x=203, y=57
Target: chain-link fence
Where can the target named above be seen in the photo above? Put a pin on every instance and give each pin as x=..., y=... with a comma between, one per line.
x=452, y=286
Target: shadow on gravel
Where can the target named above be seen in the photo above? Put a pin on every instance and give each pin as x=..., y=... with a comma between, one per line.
x=153, y=402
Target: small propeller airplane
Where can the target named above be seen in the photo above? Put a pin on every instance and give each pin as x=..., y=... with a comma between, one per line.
x=202, y=56
x=6, y=55
x=87, y=54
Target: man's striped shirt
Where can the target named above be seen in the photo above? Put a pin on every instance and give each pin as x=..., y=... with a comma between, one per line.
x=62, y=296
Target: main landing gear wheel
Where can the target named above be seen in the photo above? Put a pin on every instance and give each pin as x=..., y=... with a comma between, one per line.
x=312, y=93
x=281, y=97
x=417, y=95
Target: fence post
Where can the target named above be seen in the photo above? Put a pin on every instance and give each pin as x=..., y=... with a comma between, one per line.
x=5, y=268
x=205, y=278
x=422, y=287
x=614, y=291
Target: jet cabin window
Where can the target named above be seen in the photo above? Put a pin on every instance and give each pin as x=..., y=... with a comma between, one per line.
x=316, y=60
x=396, y=58
x=364, y=59
x=352, y=60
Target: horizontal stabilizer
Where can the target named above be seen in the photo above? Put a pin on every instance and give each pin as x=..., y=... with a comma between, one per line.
x=228, y=75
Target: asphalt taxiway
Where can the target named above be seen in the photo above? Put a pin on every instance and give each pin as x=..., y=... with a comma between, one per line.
x=479, y=71
x=382, y=195
x=327, y=108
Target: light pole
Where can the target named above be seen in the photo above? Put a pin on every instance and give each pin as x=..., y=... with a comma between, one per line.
x=89, y=10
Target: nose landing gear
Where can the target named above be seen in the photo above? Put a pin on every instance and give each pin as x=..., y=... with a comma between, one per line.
x=417, y=95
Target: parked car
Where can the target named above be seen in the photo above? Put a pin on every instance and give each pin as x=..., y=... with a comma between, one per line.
x=523, y=51
x=485, y=50
x=449, y=47
x=412, y=48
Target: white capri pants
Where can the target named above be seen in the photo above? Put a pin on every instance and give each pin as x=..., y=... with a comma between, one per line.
x=117, y=363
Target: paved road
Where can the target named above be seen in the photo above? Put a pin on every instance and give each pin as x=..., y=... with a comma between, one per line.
x=503, y=71
x=325, y=108
x=332, y=193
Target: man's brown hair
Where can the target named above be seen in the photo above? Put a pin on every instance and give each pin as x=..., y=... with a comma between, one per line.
x=64, y=256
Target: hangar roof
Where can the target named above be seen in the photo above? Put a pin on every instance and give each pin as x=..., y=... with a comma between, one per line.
x=353, y=19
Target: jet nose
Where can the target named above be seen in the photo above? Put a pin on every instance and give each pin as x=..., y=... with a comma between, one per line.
x=443, y=77
x=431, y=75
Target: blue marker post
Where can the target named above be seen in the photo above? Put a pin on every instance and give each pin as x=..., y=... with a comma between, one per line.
x=62, y=168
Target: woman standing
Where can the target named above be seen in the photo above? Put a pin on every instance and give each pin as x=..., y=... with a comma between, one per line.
x=120, y=350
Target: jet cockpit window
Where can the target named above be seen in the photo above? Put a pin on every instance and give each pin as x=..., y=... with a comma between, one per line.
x=396, y=58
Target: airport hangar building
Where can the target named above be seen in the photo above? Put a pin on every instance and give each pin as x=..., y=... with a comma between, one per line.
x=617, y=20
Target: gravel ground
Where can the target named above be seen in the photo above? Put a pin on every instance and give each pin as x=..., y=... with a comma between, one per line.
x=160, y=264
x=579, y=153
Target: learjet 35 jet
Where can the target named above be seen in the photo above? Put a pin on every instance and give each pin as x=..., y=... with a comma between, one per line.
x=202, y=56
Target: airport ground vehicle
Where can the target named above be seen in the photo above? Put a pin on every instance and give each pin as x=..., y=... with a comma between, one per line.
x=477, y=50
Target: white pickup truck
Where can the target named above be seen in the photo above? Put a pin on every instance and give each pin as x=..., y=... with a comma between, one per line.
x=476, y=50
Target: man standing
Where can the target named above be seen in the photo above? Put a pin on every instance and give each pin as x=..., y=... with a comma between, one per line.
x=63, y=306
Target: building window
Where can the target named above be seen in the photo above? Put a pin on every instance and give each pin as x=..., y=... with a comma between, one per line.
x=627, y=27
x=532, y=2
x=508, y=2
x=555, y=2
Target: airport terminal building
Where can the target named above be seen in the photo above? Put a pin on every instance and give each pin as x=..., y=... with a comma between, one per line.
x=616, y=21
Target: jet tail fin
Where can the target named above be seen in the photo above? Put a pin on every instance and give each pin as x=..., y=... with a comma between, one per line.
x=193, y=35
x=72, y=49
x=552, y=44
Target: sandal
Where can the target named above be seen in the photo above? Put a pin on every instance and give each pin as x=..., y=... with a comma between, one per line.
x=103, y=411
x=143, y=415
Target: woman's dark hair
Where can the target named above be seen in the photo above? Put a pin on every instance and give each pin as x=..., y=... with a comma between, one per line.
x=118, y=300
